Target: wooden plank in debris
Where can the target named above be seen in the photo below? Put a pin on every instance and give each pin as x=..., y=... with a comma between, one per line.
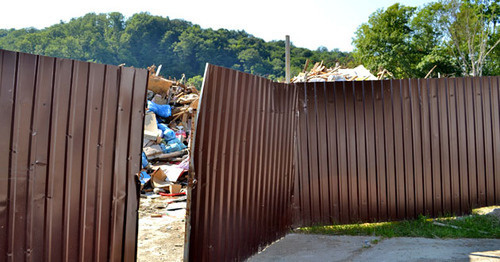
x=159, y=85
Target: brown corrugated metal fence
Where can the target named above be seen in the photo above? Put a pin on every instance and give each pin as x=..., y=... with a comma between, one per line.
x=270, y=155
x=69, y=151
x=266, y=156
x=379, y=150
x=242, y=156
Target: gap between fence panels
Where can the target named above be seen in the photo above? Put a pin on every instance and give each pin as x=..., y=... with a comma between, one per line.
x=168, y=130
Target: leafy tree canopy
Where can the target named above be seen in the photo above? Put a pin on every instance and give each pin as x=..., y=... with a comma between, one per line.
x=455, y=37
x=180, y=46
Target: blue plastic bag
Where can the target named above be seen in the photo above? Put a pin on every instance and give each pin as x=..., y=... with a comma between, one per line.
x=160, y=110
x=167, y=133
x=144, y=177
x=162, y=127
x=144, y=160
x=172, y=145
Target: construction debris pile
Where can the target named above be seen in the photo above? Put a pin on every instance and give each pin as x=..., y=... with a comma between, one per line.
x=168, y=126
x=320, y=73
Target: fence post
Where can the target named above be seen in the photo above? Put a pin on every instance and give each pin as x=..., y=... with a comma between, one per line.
x=287, y=58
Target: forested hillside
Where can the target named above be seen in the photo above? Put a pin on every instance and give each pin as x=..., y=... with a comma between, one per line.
x=180, y=46
x=445, y=38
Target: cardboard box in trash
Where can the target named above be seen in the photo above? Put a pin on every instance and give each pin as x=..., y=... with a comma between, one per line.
x=159, y=179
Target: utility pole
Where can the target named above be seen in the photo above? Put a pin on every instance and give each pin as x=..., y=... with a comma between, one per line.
x=287, y=58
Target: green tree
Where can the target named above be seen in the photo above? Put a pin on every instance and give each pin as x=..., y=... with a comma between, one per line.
x=470, y=26
x=144, y=39
x=385, y=41
x=196, y=81
x=429, y=40
x=492, y=61
x=457, y=37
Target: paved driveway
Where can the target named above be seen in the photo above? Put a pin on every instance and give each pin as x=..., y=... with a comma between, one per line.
x=303, y=247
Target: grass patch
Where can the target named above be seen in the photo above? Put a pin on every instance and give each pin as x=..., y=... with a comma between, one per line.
x=473, y=226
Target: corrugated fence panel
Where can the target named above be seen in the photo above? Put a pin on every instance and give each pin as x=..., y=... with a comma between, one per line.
x=396, y=149
x=269, y=156
x=72, y=134
x=243, y=164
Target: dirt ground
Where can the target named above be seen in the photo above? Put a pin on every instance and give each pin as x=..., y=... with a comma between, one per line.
x=161, y=238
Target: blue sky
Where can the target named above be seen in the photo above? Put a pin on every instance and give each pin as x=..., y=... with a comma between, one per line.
x=310, y=23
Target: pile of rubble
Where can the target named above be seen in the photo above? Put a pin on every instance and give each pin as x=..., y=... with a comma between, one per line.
x=320, y=73
x=168, y=127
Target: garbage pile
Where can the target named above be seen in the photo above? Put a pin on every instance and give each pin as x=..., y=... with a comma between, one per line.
x=168, y=125
x=320, y=73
